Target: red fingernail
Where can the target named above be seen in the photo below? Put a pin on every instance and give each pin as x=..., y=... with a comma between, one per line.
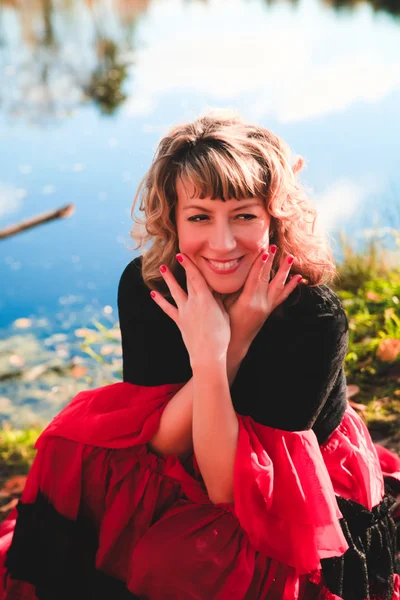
x=163, y=268
x=290, y=259
x=273, y=249
x=153, y=294
x=299, y=278
x=179, y=257
x=264, y=257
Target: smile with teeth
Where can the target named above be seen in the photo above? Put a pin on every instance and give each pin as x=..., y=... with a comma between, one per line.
x=224, y=265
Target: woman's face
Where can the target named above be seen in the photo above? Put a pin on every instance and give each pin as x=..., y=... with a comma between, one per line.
x=231, y=234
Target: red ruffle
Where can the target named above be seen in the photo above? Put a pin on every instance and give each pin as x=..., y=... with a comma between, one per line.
x=276, y=471
x=390, y=463
x=115, y=416
x=352, y=462
x=159, y=532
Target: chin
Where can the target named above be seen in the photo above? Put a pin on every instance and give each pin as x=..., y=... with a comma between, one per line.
x=227, y=292
x=229, y=287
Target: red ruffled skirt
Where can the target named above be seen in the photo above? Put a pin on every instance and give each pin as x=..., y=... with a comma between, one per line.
x=157, y=530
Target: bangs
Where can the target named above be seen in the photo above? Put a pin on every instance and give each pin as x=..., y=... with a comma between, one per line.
x=219, y=172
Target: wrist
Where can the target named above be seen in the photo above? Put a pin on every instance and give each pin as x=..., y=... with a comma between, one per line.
x=206, y=365
x=237, y=350
x=235, y=357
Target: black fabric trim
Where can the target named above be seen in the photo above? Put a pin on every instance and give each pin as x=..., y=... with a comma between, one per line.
x=57, y=556
x=365, y=571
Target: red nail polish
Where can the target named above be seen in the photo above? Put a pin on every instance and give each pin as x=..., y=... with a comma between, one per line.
x=179, y=258
x=299, y=278
x=290, y=260
x=273, y=249
x=153, y=294
x=163, y=268
x=264, y=257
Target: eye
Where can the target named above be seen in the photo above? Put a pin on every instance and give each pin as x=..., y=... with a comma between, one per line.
x=197, y=218
x=248, y=217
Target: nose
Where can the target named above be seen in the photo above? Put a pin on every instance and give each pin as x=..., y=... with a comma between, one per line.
x=221, y=238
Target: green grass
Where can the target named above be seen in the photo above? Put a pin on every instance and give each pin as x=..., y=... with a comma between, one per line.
x=369, y=286
x=16, y=451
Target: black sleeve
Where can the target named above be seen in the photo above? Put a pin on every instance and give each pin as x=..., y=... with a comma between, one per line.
x=293, y=372
x=153, y=352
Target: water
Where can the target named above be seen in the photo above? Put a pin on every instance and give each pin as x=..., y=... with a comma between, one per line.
x=88, y=88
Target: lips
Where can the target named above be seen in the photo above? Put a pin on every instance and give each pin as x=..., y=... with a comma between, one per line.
x=224, y=267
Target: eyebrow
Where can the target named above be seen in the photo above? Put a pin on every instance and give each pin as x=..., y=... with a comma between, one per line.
x=204, y=209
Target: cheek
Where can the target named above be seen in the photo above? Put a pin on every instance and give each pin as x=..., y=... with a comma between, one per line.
x=188, y=244
x=255, y=238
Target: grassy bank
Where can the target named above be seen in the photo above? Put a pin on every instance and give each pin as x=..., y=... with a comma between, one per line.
x=369, y=287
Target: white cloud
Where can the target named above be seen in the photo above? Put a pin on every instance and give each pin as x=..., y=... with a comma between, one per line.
x=342, y=200
x=10, y=198
x=287, y=61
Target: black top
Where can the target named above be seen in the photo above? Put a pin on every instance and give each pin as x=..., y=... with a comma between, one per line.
x=292, y=377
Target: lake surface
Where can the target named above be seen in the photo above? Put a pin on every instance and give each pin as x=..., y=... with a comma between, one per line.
x=88, y=88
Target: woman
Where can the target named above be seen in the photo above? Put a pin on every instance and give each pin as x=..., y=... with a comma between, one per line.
x=228, y=464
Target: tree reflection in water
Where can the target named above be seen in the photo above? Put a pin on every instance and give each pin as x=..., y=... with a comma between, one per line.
x=49, y=72
x=389, y=6
x=106, y=81
x=58, y=54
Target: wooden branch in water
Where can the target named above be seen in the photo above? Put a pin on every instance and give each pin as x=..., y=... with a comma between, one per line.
x=59, y=213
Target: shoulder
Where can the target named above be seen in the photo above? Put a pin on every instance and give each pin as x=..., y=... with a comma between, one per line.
x=133, y=294
x=132, y=275
x=315, y=302
x=311, y=311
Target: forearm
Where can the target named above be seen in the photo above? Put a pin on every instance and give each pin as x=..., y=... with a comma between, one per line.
x=215, y=430
x=236, y=354
x=174, y=435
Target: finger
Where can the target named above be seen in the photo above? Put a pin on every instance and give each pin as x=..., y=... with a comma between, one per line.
x=194, y=277
x=259, y=272
x=281, y=276
x=166, y=306
x=189, y=285
x=288, y=289
x=266, y=271
x=176, y=291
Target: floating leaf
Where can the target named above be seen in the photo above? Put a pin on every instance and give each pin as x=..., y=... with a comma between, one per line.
x=34, y=372
x=388, y=350
x=115, y=334
x=357, y=406
x=83, y=332
x=77, y=371
x=352, y=390
x=107, y=349
x=22, y=323
x=374, y=297
x=16, y=360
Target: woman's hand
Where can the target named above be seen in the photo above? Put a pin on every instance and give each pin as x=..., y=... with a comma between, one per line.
x=200, y=316
x=249, y=308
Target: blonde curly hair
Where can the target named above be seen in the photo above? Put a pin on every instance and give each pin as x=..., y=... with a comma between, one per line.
x=224, y=158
